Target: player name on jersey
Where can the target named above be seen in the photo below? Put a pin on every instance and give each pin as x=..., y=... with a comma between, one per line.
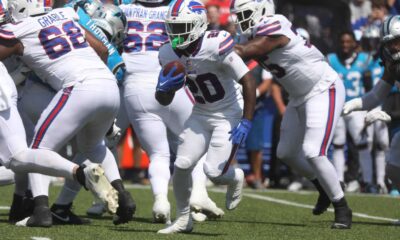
x=49, y=19
x=140, y=12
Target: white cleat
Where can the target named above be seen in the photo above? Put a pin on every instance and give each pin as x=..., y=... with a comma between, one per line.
x=234, y=191
x=198, y=216
x=161, y=210
x=353, y=186
x=207, y=207
x=97, y=209
x=183, y=224
x=98, y=184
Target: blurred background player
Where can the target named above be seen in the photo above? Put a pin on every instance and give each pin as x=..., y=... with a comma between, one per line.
x=351, y=67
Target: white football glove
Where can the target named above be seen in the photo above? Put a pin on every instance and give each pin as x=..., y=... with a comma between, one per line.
x=352, y=105
x=376, y=115
x=113, y=136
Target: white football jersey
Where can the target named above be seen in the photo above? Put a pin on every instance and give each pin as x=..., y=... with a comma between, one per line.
x=298, y=66
x=145, y=35
x=56, y=49
x=213, y=72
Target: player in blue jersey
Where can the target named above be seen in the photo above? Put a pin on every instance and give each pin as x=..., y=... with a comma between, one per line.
x=351, y=66
x=378, y=131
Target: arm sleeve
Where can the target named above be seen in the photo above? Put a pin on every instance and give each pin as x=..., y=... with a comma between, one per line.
x=234, y=65
x=376, y=96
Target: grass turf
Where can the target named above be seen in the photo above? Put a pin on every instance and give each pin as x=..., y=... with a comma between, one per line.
x=254, y=219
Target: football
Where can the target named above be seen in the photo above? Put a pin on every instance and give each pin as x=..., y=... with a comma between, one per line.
x=179, y=68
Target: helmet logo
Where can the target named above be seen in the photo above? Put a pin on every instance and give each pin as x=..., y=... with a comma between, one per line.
x=196, y=7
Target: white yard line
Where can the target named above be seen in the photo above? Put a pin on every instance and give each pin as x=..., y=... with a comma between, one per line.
x=279, y=201
x=4, y=208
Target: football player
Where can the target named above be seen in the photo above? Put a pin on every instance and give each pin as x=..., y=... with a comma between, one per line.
x=316, y=97
x=216, y=76
x=351, y=67
x=390, y=56
x=52, y=43
x=151, y=120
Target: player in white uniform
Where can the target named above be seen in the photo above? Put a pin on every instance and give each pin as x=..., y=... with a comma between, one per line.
x=390, y=56
x=15, y=154
x=53, y=45
x=145, y=35
x=213, y=71
x=316, y=96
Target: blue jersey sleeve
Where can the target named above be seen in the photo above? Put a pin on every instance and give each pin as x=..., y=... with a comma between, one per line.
x=114, y=61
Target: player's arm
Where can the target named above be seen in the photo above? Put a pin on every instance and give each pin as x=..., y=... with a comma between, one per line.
x=276, y=93
x=98, y=46
x=260, y=46
x=10, y=47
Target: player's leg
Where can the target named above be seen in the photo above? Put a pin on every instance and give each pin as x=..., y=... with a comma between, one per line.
x=338, y=142
x=6, y=176
x=196, y=133
x=146, y=117
x=179, y=112
x=381, y=135
x=355, y=124
x=321, y=114
x=393, y=164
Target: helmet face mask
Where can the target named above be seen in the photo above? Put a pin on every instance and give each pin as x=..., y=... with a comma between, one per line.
x=186, y=22
x=249, y=13
x=390, y=38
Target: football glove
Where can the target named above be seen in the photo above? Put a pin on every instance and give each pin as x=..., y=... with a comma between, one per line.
x=169, y=82
x=352, y=105
x=376, y=115
x=240, y=132
x=113, y=136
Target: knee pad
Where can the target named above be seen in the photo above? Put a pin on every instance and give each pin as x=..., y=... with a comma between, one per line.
x=212, y=172
x=19, y=163
x=393, y=173
x=310, y=150
x=184, y=163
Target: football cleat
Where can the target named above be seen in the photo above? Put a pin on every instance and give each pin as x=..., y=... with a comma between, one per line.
x=234, y=191
x=21, y=208
x=207, y=207
x=353, y=186
x=62, y=215
x=183, y=224
x=343, y=215
x=126, y=208
x=161, y=209
x=97, y=209
x=41, y=217
x=322, y=204
x=98, y=184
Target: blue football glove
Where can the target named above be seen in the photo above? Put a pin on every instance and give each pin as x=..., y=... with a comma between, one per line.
x=240, y=132
x=169, y=83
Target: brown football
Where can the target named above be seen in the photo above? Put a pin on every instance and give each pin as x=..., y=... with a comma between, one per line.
x=179, y=68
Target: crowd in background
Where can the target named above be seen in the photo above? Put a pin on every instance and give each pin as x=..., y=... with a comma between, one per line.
x=321, y=22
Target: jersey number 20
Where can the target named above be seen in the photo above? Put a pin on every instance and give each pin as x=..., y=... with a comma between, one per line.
x=208, y=86
x=58, y=42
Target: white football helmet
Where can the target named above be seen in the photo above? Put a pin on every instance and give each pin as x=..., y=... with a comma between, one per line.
x=20, y=9
x=113, y=22
x=186, y=22
x=250, y=12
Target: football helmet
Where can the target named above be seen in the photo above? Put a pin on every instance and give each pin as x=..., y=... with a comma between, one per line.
x=370, y=39
x=4, y=13
x=186, y=21
x=390, y=31
x=92, y=7
x=113, y=22
x=250, y=12
x=20, y=9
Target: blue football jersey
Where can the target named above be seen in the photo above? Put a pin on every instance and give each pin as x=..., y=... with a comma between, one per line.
x=114, y=62
x=352, y=76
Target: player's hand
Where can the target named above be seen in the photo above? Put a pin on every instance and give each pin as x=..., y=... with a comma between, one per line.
x=376, y=115
x=113, y=136
x=240, y=132
x=352, y=105
x=170, y=82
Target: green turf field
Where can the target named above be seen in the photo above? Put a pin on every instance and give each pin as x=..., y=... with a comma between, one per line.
x=261, y=215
